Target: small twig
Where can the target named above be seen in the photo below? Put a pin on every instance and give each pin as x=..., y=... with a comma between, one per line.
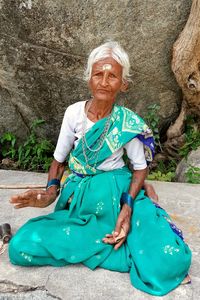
x=16, y=187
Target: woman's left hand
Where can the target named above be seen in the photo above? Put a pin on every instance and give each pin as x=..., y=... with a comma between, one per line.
x=121, y=229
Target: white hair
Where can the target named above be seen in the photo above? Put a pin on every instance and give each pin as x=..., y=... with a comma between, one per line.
x=109, y=49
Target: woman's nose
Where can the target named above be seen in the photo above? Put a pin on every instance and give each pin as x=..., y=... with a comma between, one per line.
x=104, y=80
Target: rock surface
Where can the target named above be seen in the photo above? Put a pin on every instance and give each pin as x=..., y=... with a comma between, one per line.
x=193, y=160
x=76, y=282
x=44, y=46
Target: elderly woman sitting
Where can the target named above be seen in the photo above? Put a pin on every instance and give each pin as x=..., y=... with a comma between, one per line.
x=103, y=217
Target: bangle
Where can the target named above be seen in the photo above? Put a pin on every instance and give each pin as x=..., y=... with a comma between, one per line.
x=53, y=182
x=127, y=199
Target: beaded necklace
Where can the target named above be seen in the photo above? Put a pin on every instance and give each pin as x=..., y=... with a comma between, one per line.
x=99, y=142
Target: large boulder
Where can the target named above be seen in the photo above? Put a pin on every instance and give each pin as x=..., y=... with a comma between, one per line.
x=192, y=162
x=44, y=46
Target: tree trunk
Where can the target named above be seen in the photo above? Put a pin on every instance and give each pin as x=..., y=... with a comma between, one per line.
x=186, y=59
x=186, y=68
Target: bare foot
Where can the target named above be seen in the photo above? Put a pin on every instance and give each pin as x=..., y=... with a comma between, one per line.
x=150, y=191
x=186, y=280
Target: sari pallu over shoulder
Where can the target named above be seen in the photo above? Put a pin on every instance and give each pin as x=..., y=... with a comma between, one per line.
x=125, y=125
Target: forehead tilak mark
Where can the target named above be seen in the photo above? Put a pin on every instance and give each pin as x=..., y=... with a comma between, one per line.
x=107, y=67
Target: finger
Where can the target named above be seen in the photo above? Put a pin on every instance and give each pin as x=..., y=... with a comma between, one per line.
x=123, y=233
x=14, y=197
x=118, y=245
x=125, y=228
x=19, y=197
x=17, y=200
x=118, y=227
x=22, y=202
x=28, y=194
x=109, y=235
x=107, y=240
x=110, y=240
x=21, y=205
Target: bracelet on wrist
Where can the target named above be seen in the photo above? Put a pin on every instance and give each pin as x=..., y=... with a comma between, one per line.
x=126, y=198
x=53, y=182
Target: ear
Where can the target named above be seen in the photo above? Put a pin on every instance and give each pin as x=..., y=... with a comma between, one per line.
x=124, y=86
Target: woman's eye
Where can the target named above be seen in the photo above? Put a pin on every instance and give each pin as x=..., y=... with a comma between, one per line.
x=112, y=76
x=97, y=74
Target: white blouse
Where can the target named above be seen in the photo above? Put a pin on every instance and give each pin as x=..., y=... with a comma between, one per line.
x=71, y=132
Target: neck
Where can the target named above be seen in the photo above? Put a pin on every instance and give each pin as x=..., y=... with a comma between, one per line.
x=99, y=109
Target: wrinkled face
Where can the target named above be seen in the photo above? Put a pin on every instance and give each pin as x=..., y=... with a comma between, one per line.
x=106, y=80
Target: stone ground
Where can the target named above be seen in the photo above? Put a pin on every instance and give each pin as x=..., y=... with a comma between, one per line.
x=79, y=283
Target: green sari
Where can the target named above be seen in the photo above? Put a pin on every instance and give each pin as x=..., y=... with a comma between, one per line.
x=154, y=253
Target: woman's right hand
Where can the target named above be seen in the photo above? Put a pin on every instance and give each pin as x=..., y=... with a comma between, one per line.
x=34, y=198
